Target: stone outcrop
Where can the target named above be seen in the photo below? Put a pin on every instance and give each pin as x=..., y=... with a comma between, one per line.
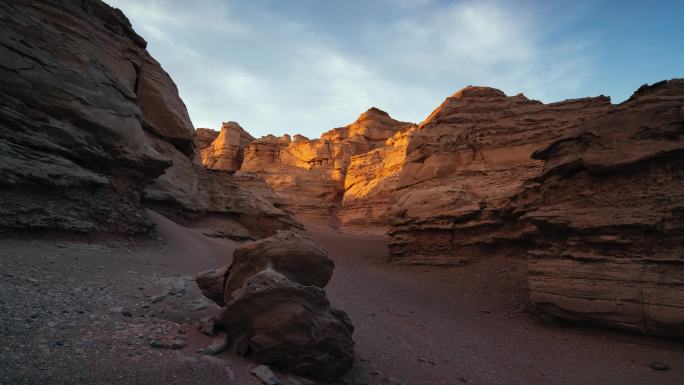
x=463, y=165
x=274, y=309
x=370, y=183
x=82, y=107
x=226, y=151
x=204, y=137
x=309, y=175
x=91, y=128
x=609, y=209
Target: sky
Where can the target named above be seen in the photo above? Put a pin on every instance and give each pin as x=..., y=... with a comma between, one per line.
x=306, y=66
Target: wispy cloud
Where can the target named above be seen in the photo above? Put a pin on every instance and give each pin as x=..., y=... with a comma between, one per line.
x=275, y=72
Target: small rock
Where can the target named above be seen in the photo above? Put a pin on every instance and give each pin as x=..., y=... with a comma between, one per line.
x=116, y=309
x=157, y=344
x=217, y=347
x=179, y=343
x=264, y=373
x=659, y=366
x=207, y=326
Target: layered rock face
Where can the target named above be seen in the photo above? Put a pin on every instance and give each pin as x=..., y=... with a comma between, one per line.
x=463, y=165
x=370, y=183
x=226, y=151
x=609, y=209
x=82, y=108
x=91, y=127
x=275, y=311
x=309, y=175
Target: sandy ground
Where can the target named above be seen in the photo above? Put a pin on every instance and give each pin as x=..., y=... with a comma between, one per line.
x=124, y=312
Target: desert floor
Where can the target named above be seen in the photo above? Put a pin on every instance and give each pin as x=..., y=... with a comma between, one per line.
x=95, y=311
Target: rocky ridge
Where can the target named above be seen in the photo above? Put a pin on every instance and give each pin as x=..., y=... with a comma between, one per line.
x=92, y=128
x=609, y=214
x=462, y=166
x=309, y=175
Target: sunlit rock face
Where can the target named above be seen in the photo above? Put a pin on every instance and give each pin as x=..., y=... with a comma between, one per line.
x=226, y=150
x=87, y=118
x=609, y=209
x=463, y=165
x=204, y=137
x=371, y=180
x=309, y=175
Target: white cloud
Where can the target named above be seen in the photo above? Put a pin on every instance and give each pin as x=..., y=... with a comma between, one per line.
x=273, y=72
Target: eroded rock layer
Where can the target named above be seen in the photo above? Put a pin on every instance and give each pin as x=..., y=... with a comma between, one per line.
x=309, y=175
x=370, y=183
x=82, y=107
x=610, y=217
x=226, y=150
x=463, y=165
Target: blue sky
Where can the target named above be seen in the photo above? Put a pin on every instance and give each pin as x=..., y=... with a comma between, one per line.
x=306, y=66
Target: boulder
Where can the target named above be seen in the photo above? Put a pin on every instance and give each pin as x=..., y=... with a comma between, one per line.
x=275, y=311
x=609, y=214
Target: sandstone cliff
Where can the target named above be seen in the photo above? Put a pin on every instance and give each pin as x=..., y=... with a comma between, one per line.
x=80, y=101
x=226, y=151
x=91, y=126
x=463, y=165
x=309, y=175
x=609, y=209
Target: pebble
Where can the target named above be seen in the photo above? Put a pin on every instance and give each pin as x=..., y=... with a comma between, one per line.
x=264, y=373
x=659, y=366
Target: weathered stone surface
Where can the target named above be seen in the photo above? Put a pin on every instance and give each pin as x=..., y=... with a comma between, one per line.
x=275, y=311
x=609, y=209
x=204, y=137
x=370, y=182
x=463, y=165
x=308, y=175
x=226, y=151
x=75, y=150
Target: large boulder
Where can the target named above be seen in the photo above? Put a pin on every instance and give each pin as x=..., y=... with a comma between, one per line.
x=609, y=209
x=275, y=311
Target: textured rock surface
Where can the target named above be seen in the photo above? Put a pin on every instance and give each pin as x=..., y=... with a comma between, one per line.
x=463, y=165
x=79, y=97
x=226, y=151
x=610, y=214
x=370, y=182
x=274, y=309
x=308, y=175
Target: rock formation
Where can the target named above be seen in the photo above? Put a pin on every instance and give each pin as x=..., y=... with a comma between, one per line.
x=204, y=137
x=309, y=175
x=226, y=151
x=370, y=183
x=462, y=166
x=91, y=126
x=76, y=115
x=275, y=311
x=609, y=210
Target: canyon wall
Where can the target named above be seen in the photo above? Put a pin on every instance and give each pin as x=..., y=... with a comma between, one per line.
x=463, y=165
x=609, y=214
x=92, y=128
x=309, y=175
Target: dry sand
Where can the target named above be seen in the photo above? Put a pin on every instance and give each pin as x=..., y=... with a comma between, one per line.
x=85, y=313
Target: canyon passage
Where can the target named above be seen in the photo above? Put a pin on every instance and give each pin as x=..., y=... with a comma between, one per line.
x=501, y=240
